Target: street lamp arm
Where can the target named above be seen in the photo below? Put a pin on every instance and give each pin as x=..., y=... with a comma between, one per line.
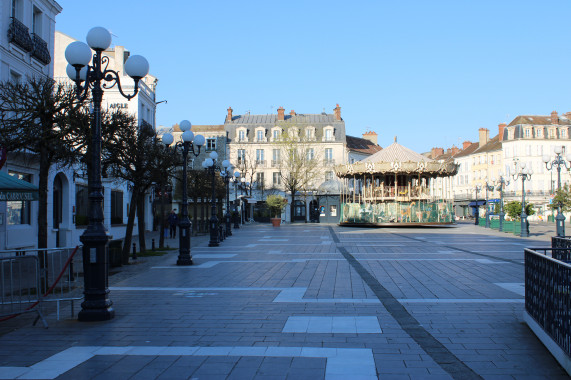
x=112, y=79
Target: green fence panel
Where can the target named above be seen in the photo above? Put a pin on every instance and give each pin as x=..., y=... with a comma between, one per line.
x=517, y=229
x=482, y=221
x=495, y=224
x=508, y=226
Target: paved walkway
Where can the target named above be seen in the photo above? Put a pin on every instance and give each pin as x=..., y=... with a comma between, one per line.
x=307, y=301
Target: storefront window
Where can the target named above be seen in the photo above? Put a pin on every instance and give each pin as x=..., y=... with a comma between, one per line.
x=18, y=212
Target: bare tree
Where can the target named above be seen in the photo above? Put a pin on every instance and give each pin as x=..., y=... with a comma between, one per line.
x=300, y=164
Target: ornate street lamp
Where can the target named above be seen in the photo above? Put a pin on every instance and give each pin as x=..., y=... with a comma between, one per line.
x=477, y=212
x=226, y=175
x=501, y=183
x=236, y=181
x=210, y=165
x=188, y=143
x=558, y=162
x=525, y=174
x=97, y=306
x=488, y=188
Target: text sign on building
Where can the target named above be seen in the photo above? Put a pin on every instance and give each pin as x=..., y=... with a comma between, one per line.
x=119, y=105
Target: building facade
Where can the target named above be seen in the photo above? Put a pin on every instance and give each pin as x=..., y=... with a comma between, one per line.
x=26, y=50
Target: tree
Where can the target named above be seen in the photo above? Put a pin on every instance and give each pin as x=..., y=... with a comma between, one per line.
x=42, y=117
x=247, y=163
x=513, y=209
x=563, y=197
x=136, y=156
x=276, y=203
x=299, y=165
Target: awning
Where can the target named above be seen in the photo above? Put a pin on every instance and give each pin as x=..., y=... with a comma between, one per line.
x=478, y=203
x=13, y=189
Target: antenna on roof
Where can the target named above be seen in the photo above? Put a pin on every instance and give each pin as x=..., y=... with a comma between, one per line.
x=395, y=139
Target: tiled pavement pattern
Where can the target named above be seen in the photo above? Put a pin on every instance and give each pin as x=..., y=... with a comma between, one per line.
x=307, y=302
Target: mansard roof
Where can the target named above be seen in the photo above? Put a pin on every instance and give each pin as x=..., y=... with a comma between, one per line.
x=361, y=145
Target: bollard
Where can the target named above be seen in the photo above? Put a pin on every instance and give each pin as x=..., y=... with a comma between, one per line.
x=152, y=244
x=134, y=251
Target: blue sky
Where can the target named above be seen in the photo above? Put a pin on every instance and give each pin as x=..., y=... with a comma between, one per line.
x=430, y=72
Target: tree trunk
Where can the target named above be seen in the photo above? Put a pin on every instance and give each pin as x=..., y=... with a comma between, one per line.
x=162, y=220
x=141, y=222
x=292, y=206
x=129, y=228
x=43, y=217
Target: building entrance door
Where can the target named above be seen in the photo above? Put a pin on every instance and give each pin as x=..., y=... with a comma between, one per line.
x=299, y=211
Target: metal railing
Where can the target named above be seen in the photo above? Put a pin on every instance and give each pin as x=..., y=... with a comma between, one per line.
x=29, y=278
x=547, y=292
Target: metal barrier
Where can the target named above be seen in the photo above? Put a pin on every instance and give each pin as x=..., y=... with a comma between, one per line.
x=20, y=287
x=561, y=242
x=33, y=277
x=548, y=293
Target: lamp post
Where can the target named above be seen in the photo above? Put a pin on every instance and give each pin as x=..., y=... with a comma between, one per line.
x=226, y=174
x=236, y=179
x=558, y=162
x=525, y=174
x=188, y=143
x=488, y=188
x=477, y=211
x=501, y=182
x=210, y=165
x=97, y=305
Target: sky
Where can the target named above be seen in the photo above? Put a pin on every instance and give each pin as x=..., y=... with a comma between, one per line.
x=429, y=72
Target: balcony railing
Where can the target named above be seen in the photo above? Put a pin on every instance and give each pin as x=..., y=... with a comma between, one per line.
x=18, y=35
x=329, y=161
x=275, y=163
x=41, y=51
x=548, y=293
x=261, y=163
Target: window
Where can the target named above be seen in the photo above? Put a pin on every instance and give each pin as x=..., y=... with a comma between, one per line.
x=333, y=210
x=259, y=156
x=242, y=135
x=277, y=178
x=276, y=157
x=17, y=9
x=18, y=212
x=260, y=135
x=310, y=154
x=552, y=133
x=37, y=22
x=276, y=134
x=527, y=132
x=328, y=135
x=116, y=207
x=211, y=143
x=260, y=180
x=241, y=156
x=81, y=205
x=528, y=150
x=328, y=154
x=15, y=77
x=563, y=134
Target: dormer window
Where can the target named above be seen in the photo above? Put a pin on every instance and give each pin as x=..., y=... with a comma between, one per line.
x=241, y=134
x=328, y=134
x=527, y=132
x=310, y=134
x=563, y=133
x=259, y=135
x=276, y=134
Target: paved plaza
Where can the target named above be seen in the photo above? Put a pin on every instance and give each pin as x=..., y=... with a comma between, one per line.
x=307, y=301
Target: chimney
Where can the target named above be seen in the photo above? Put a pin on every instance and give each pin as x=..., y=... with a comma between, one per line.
x=281, y=111
x=371, y=136
x=229, y=117
x=466, y=144
x=337, y=112
x=454, y=150
x=501, y=128
x=484, y=137
x=120, y=59
x=554, y=118
x=435, y=152
x=292, y=113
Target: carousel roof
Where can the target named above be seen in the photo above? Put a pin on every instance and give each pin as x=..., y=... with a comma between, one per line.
x=331, y=186
x=398, y=159
x=396, y=152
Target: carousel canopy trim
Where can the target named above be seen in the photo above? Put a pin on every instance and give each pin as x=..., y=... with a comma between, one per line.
x=398, y=159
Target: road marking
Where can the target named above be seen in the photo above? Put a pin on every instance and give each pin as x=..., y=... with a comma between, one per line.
x=342, y=325
x=341, y=362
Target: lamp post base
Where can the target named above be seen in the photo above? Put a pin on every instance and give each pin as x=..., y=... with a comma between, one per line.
x=560, y=224
x=94, y=312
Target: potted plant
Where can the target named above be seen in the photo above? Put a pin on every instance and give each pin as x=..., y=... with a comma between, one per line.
x=276, y=203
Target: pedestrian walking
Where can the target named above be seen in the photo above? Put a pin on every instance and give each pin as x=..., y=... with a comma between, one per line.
x=173, y=222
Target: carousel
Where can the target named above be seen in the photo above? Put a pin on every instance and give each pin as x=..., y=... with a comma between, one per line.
x=397, y=186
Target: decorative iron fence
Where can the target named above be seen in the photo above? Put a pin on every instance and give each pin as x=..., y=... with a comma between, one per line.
x=547, y=293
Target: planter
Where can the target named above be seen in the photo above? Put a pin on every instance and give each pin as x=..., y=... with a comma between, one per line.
x=276, y=221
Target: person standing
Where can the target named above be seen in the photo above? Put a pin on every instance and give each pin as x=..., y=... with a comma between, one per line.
x=173, y=222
